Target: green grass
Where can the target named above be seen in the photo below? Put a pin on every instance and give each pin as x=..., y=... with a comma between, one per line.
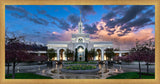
x=132, y=75
x=28, y=76
x=81, y=62
x=80, y=67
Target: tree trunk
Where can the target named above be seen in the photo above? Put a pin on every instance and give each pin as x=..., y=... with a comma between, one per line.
x=139, y=70
x=7, y=70
x=13, y=71
x=147, y=68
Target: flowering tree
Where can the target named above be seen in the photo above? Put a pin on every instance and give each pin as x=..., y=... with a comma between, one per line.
x=136, y=54
x=126, y=58
x=40, y=58
x=142, y=52
x=149, y=52
x=15, y=52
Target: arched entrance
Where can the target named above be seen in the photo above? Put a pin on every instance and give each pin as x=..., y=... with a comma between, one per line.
x=61, y=54
x=81, y=54
x=99, y=54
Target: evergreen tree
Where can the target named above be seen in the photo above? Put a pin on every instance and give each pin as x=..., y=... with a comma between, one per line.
x=76, y=55
x=51, y=54
x=86, y=55
x=69, y=53
x=92, y=53
x=109, y=53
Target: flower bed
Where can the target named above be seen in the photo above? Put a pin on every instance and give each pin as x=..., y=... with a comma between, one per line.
x=81, y=62
x=80, y=69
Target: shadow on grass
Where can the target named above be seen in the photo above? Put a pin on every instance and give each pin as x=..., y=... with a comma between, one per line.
x=28, y=76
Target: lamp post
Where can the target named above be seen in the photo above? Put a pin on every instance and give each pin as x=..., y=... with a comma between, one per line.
x=80, y=57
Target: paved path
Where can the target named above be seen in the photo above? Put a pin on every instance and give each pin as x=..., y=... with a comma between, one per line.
x=102, y=74
x=135, y=67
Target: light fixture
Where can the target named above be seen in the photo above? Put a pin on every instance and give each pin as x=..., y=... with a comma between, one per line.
x=80, y=50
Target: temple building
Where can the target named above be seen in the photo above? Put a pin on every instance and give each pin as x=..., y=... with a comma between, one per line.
x=80, y=41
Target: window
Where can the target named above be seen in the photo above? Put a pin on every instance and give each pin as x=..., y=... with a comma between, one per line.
x=80, y=40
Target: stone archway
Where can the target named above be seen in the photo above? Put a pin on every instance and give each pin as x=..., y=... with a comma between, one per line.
x=61, y=54
x=99, y=54
x=81, y=53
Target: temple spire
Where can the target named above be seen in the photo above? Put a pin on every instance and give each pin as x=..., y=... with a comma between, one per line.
x=80, y=25
x=80, y=16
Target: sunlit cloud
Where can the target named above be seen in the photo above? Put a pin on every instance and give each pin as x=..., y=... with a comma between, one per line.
x=121, y=24
x=102, y=34
x=55, y=33
x=123, y=42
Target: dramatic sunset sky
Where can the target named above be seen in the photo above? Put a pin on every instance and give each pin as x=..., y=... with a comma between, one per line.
x=121, y=24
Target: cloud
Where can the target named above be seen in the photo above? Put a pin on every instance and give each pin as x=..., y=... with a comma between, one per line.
x=138, y=23
x=63, y=24
x=91, y=29
x=128, y=17
x=38, y=20
x=17, y=15
x=53, y=18
x=18, y=9
x=120, y=24
x=66, y=9
x=65, y=36
x=73, y=19
x=86, y=9
x=118, y=9
x=60, y=23
x=22, y=13
x=41, y=11
x=125, y=41
x=131, y=13
x=108, y=16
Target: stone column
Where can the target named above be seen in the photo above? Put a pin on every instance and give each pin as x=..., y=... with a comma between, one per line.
x=64, y=55
x=94, y=58
x=120, y=54
x=102, y=55
x=57, y=55
x=95, y=55
x=39, y=54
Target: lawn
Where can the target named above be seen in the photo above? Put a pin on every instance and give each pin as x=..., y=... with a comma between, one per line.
x=80, y=67
x=82, y=62
x=132, y=75
x=28, y=76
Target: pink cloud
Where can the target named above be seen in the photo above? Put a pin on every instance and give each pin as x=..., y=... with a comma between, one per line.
x=124, y=42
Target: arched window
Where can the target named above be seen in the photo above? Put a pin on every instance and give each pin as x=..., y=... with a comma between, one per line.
x=80, y=40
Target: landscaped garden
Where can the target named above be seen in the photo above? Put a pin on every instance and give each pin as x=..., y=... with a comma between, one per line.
x=80, y=67
x=132, y=75
x=27, y=76
x=81, y=62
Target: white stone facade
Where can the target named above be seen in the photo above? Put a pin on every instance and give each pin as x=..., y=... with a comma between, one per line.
x=80, y=41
